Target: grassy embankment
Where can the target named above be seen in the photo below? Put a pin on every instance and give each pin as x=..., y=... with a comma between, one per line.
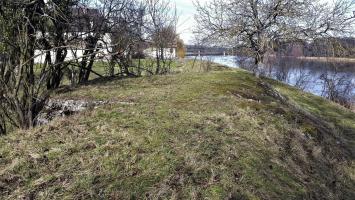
x=196, y=135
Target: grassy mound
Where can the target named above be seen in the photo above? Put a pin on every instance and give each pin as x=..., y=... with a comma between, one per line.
x=214, y=135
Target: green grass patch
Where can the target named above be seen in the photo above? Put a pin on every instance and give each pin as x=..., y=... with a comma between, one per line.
x=196, y=134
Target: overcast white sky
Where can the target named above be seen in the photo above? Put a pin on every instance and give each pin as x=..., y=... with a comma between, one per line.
x=186, y=11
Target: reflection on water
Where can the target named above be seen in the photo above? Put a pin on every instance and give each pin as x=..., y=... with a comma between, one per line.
x=335, y=81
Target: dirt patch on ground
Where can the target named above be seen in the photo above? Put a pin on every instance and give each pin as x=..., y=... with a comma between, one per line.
x=62, y=108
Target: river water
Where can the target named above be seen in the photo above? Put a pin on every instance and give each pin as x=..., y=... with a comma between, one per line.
x=333, y=80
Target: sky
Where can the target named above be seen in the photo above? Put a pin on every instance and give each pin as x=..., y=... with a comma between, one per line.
x=186, y=11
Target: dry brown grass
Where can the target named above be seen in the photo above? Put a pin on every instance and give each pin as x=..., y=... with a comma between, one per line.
x=201, y=135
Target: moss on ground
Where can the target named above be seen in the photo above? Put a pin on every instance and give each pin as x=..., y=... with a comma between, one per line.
x=196, y=135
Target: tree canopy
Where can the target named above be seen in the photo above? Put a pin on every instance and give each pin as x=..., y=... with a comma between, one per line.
x=256, y=25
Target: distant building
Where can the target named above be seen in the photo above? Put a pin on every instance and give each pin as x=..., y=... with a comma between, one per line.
x=162, y=43
x=168, y=52
x=86, y=22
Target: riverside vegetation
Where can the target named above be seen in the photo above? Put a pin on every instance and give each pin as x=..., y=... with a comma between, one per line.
x=211, y=133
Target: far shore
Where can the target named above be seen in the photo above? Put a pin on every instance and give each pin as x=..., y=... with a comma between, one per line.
x=321, y=59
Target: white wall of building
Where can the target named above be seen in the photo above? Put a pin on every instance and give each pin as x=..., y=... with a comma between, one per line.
x=74, y=53
x=169, y=53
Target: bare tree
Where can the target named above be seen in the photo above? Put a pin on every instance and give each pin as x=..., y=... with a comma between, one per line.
x=338, y=87
x=29, y=30
x=127, y=37
x=256, y=25
x=55, y=39
x=90, y=18
x=104, y=29
x=22, y=92
x=160, y=26
x=71, y=35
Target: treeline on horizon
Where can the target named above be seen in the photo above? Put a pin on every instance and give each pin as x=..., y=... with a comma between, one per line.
x=342, y=47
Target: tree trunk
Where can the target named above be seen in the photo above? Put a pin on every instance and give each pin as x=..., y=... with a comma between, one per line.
x=56, y=70
x=88, y=59
x=157, y=71
x=258, y=64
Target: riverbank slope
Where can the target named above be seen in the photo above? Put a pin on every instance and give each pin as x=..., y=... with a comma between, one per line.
x=191, y=135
